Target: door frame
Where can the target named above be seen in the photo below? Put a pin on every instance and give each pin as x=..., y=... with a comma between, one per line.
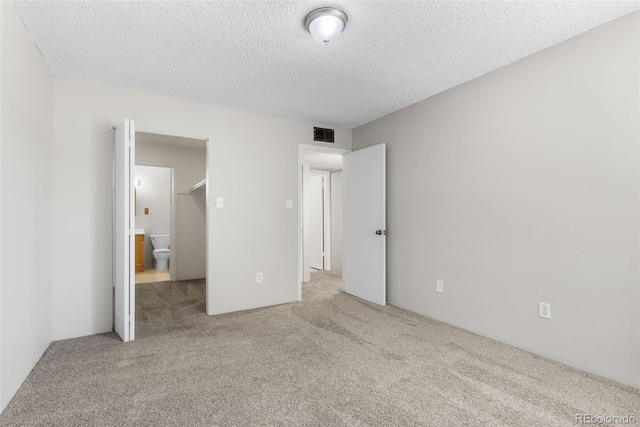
x=302, y=148
x=174, y=220
x=207, y=174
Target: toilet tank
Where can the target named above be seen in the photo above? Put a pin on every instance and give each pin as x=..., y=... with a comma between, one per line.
x=160, y=241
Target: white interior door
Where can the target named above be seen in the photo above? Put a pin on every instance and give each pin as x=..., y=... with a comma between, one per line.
x=124, y=241
x=316, y=223
x=364, y=224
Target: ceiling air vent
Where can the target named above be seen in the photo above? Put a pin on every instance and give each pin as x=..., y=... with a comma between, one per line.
x=323, y=135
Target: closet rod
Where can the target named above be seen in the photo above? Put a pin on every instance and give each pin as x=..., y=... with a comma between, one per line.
x=198, y=185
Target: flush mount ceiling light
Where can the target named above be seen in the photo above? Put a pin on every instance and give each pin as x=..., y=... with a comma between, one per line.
x=326, y=24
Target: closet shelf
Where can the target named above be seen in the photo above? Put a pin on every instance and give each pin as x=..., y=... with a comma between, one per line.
x=202, y=184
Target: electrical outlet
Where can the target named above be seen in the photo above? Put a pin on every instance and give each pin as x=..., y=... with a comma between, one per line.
x=258, y=277
x=544, y=310
x=439, y=286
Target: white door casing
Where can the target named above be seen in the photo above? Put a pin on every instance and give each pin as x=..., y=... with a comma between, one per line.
x=364, y=224
x=124, y=241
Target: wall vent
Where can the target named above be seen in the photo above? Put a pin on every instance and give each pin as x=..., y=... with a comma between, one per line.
x=323, y=135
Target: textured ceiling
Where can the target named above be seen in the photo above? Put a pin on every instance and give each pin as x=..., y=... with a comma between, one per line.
x=258, y=55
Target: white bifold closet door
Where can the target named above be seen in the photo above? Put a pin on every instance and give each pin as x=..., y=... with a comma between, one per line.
x=124, y=226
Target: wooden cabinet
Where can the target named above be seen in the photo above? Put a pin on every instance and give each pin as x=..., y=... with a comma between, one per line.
x=139, y=253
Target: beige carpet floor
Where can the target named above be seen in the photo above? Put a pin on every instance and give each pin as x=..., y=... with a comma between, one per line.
x=331, y=359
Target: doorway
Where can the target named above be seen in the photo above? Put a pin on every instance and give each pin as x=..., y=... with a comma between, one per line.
x=171, y=208
x=184, y=220
x=361, y=224
x=153, y=207
x=320, y=215
x=178, y=249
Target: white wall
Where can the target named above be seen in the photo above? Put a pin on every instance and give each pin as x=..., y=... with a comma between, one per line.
x=27, y=203
x=191, y=245
x=252, y=163
x=2, y=402
x=336, y=221
x=154, y=193
x=190, y=167
x=522, y=186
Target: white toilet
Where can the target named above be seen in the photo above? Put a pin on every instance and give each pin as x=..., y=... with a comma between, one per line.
x=160, y=243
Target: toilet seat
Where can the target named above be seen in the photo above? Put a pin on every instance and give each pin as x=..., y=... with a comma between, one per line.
x=161, y=251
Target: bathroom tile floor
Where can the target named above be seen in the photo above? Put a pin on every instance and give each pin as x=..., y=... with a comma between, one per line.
x=151, y=276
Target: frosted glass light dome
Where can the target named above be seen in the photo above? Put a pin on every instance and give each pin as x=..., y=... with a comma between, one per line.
x=326, y=24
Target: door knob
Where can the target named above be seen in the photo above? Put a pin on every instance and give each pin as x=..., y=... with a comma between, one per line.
x=381, y=232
